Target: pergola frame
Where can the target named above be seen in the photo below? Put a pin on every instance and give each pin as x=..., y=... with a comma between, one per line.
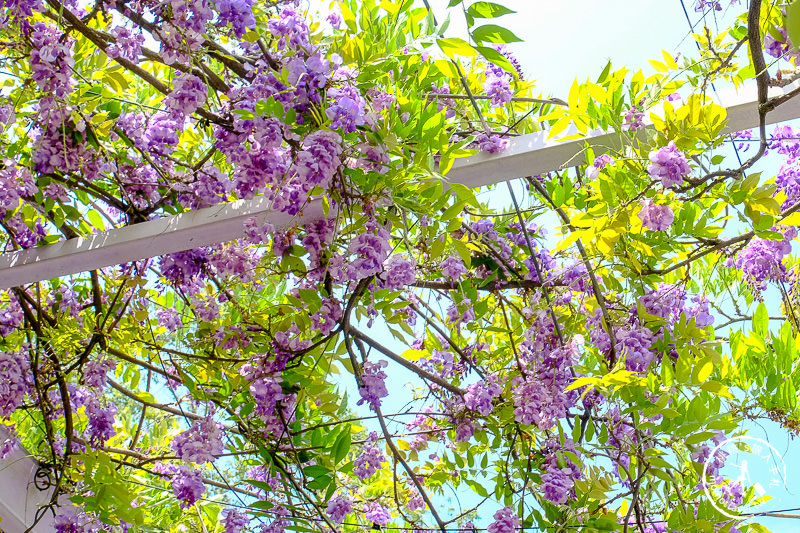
x=525, y=155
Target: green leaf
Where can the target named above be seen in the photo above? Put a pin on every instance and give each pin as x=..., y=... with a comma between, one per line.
x=456, y=47
x=493, y=33
x=488, y=10
x=702, y=370
x=761, y=321
x=96, y=220
x=492, y=55
x=341, y=446
x=793, y=22
x=478, y=488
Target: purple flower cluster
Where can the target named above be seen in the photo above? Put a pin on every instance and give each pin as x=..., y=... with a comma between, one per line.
x=127, y=44
x=505, y=521
x=762, y=260
x=339, y=507
x=669, y=165
x=511, y=59
x=656, y=217
x=498, y=85
x=328, y=315
x=492, y=143
x=237, y=13
x=634, y=119
x=371, y=249
x=201, y=443
x=480, y=395
x=161, y=136
x=600, y=162
x=181, y=267
x=291, y=30
x=453, y=268
x=10, y=444
x=448, y=104
x=101, y=421
x=712, y=463
x=634, y=344
x=320, y=158
x=188, y=94
x=347, y=110
x=374, y=384
x=51, y=60
x=187, y=486
x=399, y=272
x=378, y=514
x=14, y=381
x=95, y=372
x=234, y=521
x=369, y=460
x=280, y=522
x=560, y=472
x=540, y=399
x=19, y=9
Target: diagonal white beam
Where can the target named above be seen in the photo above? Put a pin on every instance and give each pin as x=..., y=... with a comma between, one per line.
x=526, y=155
x=19, y=497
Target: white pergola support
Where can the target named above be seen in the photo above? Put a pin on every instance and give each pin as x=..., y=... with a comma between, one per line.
x=19, y=497
x=525, y=155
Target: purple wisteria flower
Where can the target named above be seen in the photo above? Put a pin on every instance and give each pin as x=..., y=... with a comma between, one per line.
x=378, y=514
x=374, y=379
x=635, y=344
x=497, y=85
x=453, y=268
x=371, y=249
x=339, y=507
x=399, y=272
x=505, y=521
x=162, y=134
x=187, y=486
x=188, y=94
x=237, y=13
x=560, y=473
x=599, y=164
x=656, y=217
x=101, y=421
x=347, y=110
x=234, y=521
x=492, y=143
x=14, y=381
x=10, y=444
x=669, y=165
x=128, y=45
x=201, y=443
x=95, y=372
x=634, y=119
x=369, y=460
x=479, y=395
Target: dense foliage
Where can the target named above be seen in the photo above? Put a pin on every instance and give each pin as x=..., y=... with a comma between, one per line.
x=574, y=360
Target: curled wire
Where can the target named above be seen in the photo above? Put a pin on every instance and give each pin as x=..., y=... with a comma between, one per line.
x=43, y=478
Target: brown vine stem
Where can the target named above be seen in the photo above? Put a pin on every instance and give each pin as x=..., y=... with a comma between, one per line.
x=98, y=41
x=144, y=364
x=388, y=436
x=404, y=362
x=447, y=337
x=598, y=294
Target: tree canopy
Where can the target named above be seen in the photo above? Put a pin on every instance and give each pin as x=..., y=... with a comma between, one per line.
x=573, y=360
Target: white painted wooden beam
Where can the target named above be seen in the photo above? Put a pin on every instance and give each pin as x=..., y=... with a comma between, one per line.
x=19, y=497
x=526, y=155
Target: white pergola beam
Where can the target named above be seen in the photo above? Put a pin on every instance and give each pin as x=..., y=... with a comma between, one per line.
x=19, y=497
x=525, y=155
